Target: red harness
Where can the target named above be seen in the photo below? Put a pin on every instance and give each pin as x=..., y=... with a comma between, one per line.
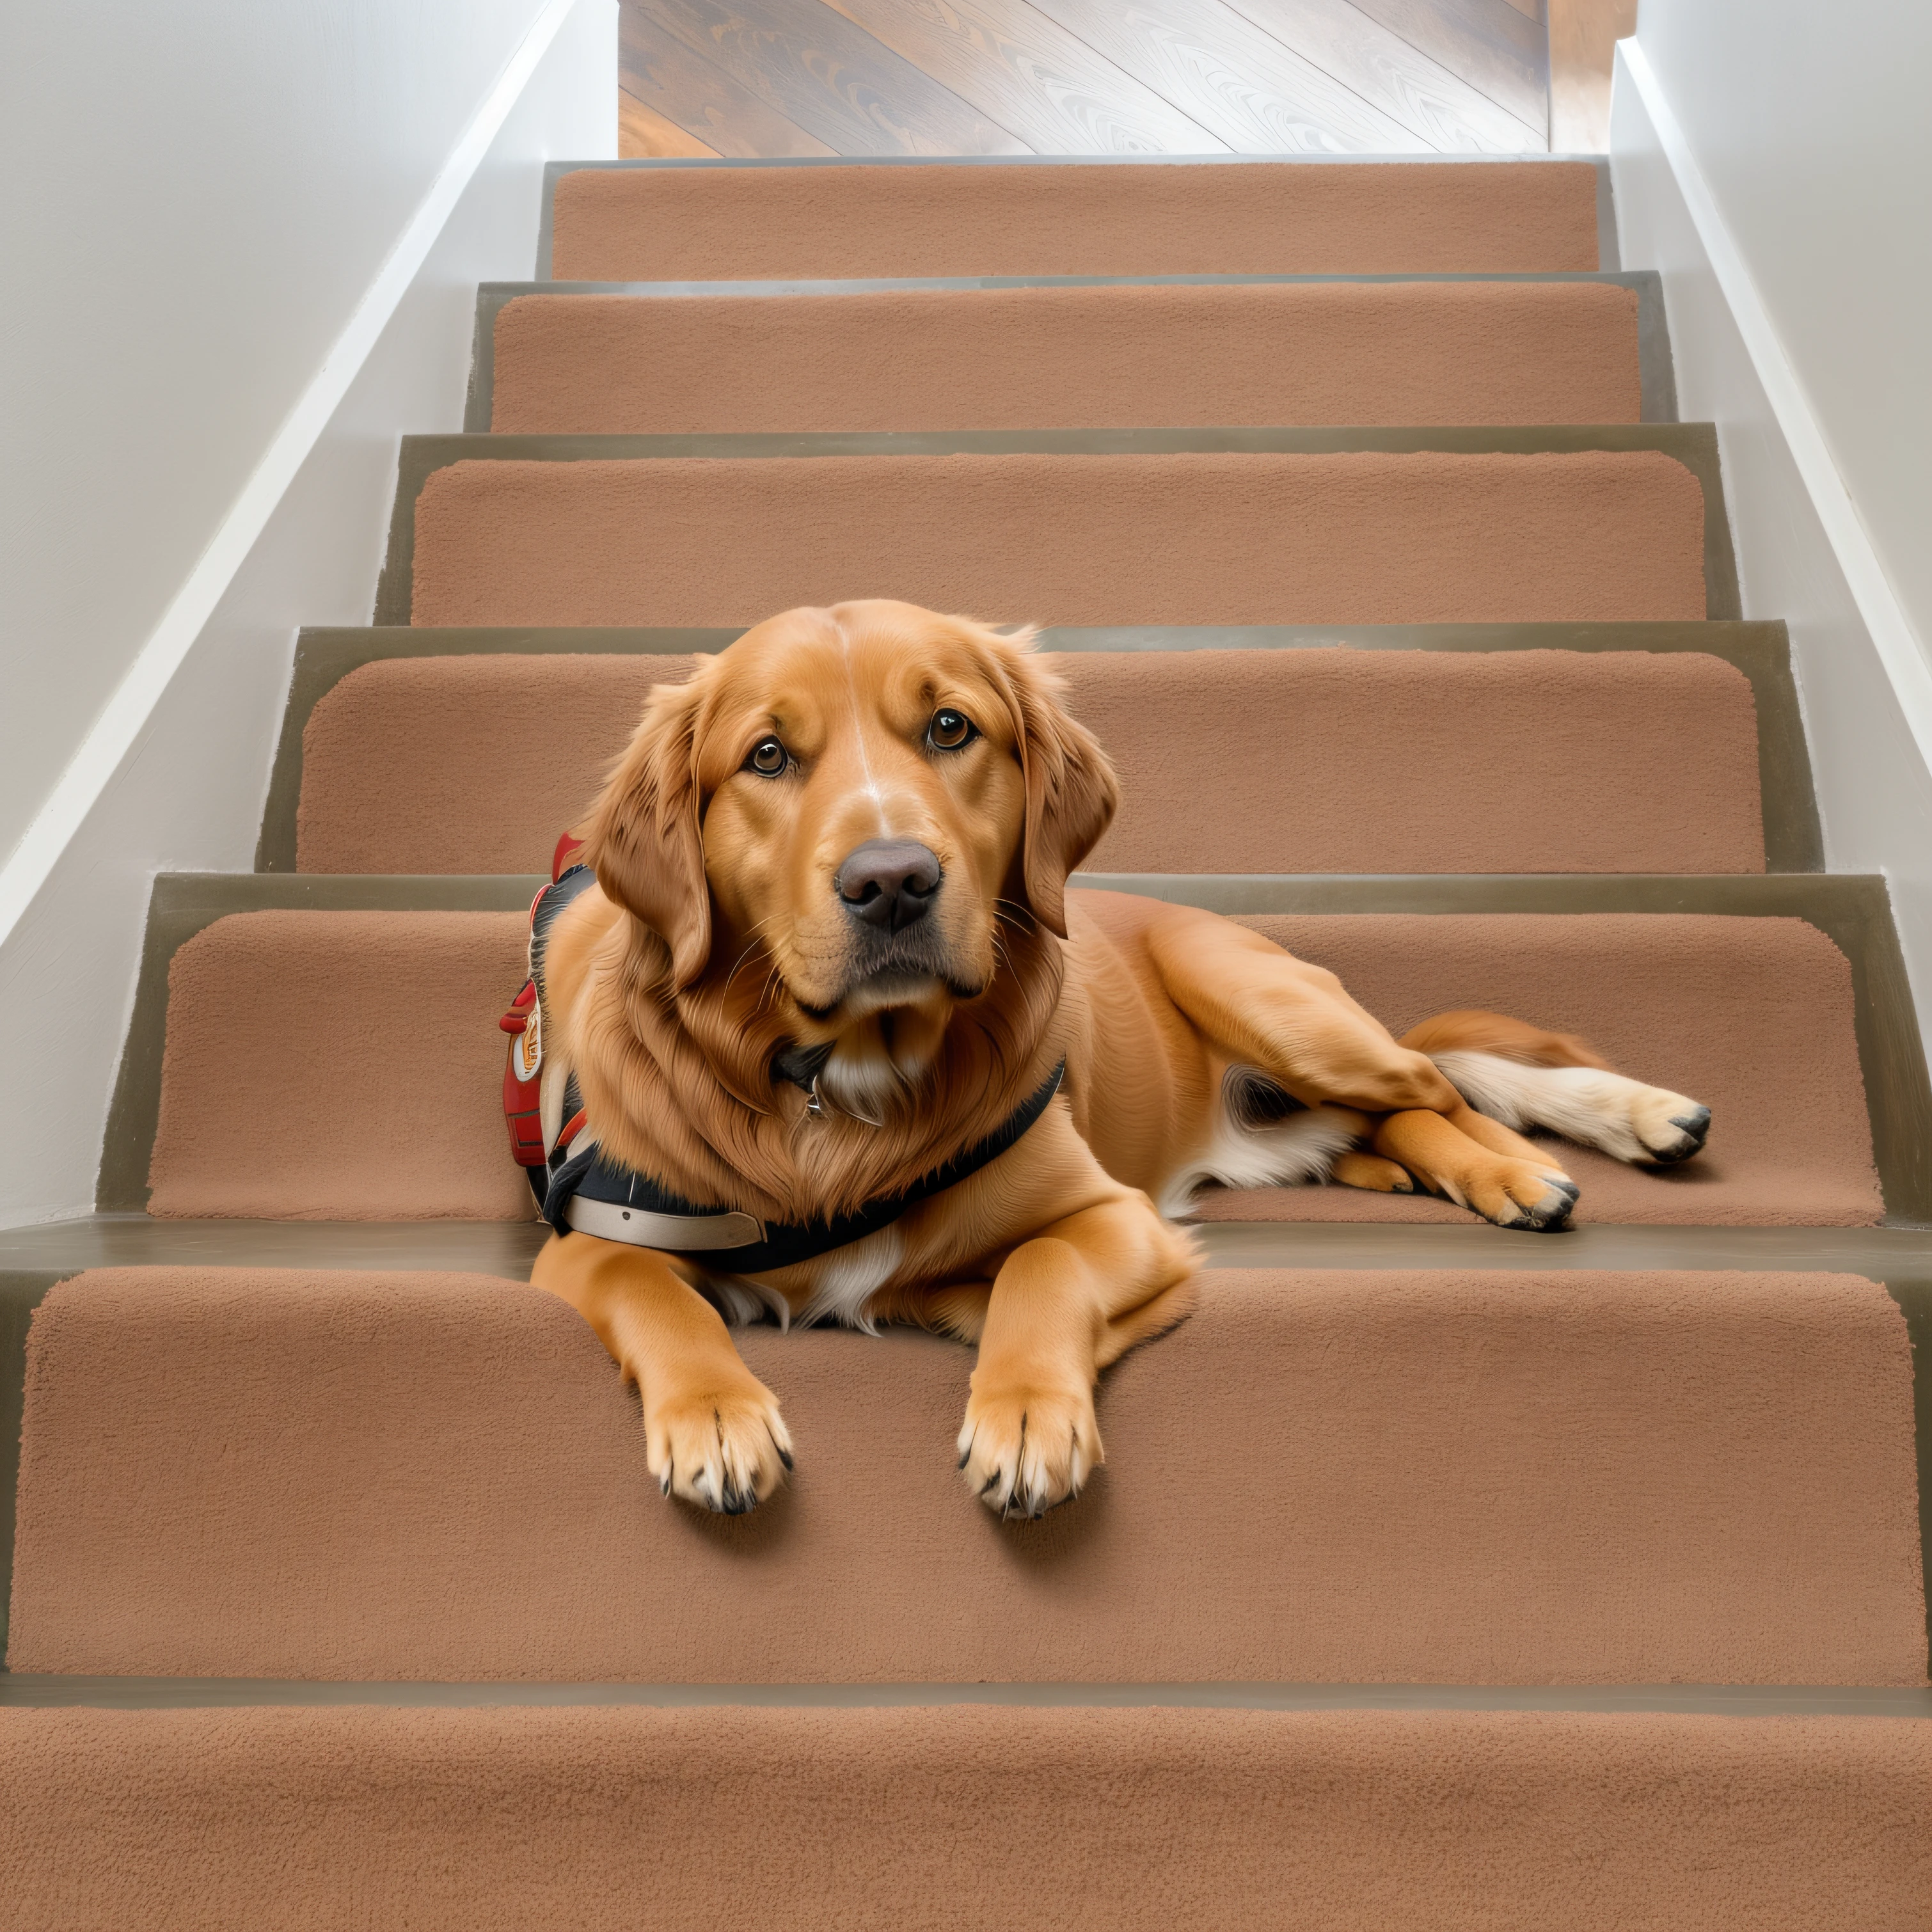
x=522, y=1077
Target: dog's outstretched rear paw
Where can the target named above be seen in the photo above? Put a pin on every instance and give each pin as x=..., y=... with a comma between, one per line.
x=1024, y=1450
x=725, y=1450
x=1670, y=1127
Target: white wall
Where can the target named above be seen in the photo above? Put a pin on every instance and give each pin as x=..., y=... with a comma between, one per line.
x=1775, y=169
x=192, y=198
x=202, y=195
x=1812, y=125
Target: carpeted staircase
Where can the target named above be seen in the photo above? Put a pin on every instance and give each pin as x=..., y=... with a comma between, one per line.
x=1440, y=1577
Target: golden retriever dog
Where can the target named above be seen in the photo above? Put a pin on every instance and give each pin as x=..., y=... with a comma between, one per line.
x=820, y=1031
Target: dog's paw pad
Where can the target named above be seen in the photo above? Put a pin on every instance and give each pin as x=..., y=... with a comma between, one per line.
x=725, y=1451
x=1534, y=1200
x=1024, y=1452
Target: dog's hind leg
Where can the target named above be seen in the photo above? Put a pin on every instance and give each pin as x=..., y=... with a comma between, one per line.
x=1261, y=1006
x=1524, y=1077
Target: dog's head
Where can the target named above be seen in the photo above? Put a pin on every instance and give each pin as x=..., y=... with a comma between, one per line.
x=845, y=805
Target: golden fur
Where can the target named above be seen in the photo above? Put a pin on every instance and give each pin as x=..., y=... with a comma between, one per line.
x=717, y=940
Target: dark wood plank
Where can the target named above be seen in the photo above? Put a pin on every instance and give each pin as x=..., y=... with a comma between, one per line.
x=1281, y=67
x=1031, y=75
x=665, y=76
x=1399, y=78
x=1260, y=96
x=1499, y=51
x=813, y=67
x=644, y=134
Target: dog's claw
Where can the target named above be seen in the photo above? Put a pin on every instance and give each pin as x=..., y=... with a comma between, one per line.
x=1025, y=1454
x=727, y=1450
x=1695, y=1127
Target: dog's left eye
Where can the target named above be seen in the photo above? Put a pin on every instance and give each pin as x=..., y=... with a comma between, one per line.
x=769, y=758
x=949, y=730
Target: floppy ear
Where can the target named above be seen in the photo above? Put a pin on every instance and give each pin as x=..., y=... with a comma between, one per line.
x=642, y=840
x=1072, y=793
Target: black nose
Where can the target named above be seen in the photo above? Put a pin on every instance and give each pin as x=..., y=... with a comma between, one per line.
x=888, y=883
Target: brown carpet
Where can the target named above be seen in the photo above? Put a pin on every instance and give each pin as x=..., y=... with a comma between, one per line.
x=1361, y=538
x=1232, y=761
x=951, y=1820
x=347, y=1066
x=1349, y=1476
x=1095, y=358
x=732, y=224
x=326, y=1066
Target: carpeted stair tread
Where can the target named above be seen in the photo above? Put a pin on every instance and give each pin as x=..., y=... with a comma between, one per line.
x=1360, y=537
x=1350, y=1477
x=324, y=1066
x=327, y=1066
x=1335, y=760
x=1338, y=352
x=1296, y=218
x=949, y=1820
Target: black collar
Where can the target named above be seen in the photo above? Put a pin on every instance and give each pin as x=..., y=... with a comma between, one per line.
x=595, y=1196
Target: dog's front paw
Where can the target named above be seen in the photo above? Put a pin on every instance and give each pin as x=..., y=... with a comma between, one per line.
x=725, y=1448
x=1025, y=1448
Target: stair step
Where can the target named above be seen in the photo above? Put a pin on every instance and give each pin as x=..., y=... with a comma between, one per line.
x=530, y=763
x=331, y=1051
x=731, y=222
x=1091, y=526
x=1354, y=1821
x=47, y=1690
x=1587, y=1478
x=925, y=356
x=1238, y=761
x=32, y=1259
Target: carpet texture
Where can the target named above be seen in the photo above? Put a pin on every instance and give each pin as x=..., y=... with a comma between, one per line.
x=1232, y=761
x=949, y=1820
x=1348, y=1476
x=347, y=1066
x=1362, y=537
x=324, y=1066
x=1093, y=358
x=732, y=224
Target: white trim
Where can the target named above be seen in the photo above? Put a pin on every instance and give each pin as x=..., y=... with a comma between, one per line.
x=116, y=731
x=1892, y=635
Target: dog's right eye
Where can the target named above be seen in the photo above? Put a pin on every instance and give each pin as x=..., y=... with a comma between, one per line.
x=769, y=758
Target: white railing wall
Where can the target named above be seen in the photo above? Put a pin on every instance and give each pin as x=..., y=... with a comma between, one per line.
x=239, y=378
